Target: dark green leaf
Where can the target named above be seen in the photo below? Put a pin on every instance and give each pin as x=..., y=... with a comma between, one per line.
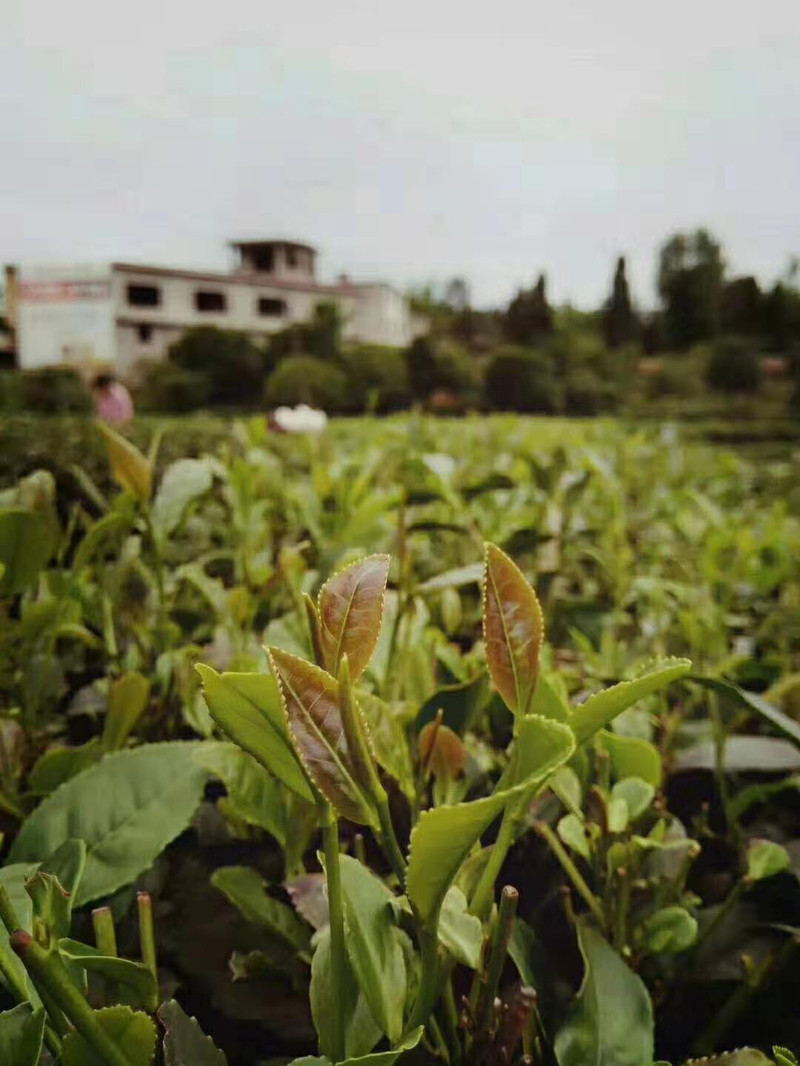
x=185, y=1043
x=26, y=544
x=132, y=1032
x=245, y=888
x=21, y=1032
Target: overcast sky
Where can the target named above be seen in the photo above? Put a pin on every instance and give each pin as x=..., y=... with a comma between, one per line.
x=410, y=141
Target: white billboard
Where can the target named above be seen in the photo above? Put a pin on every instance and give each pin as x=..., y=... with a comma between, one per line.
x=64, y=316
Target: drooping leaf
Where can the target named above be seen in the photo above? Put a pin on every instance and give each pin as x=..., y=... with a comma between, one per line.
x=350, y=613
x=59, y=764
x=130, y=468
x=752, y=702
x=459, y=931
x=373, y=946
x=185, y=1043
x=26, y=543
x=182, y=482
x=632, y=757
x=132, y=1031
x=126, y=808
x=311, y=702
x=603, y=707
x=247, y=707
x=388, y=740
x=244, y=887
x=139, y=983
x=127, y=701
x=253, y=793
x=361, y=1031
x=611, y=1019
x=444, y=836
x=765, y=858
x=668, y=931
x=21, y=1033
x=742, y=754
x=513, y=629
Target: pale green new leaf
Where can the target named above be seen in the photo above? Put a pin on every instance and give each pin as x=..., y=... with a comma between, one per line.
x=765, y=858
x=668, y=931
x=603, y=707
x=21, y=1033
x=361, y=1031
x=459, y=931
x=611, y=1020
x=632, y=757
x=444, y=836
x=245, y=888
x=248, y=708
x=127, y=808
x=636, y=794
x=572, y=831
x=132, y=1031
x=183, y=481
x=131, y=469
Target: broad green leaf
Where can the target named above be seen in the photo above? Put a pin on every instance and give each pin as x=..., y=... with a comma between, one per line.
x=459, y=704
x=311, y=702
x=185, y=1043
x=245, y=888
x=132, y=1031
x=127, y=701
x=388, y=1058
x=459, y=931
x=253, y=793
x=21, y=1032
x=140, y=985
x=361, y=1032
x=183, y=481
x=513, y=629
x=632, y=757
x=373, y=946
x=603, y=707
x=635, y=793
x=59, y=764
x=765, y=859
x=572, y=831
x=444, y=836
x=131, y=469
x=611, y=1019
x=389, y=743
x=67, y=863
x=127, y=808
x=668, y=931
x=248, y=708
x=26, y=543
x=350, y=613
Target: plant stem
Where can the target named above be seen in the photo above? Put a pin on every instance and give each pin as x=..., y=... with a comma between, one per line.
x=623, y=903
x=501, y=934
x=720, y=738
x=104, y=934
x=389, y=845
x=451, y=1022
x=572, y=871
x=330, y=841
x=147, y=939
x=484, y=893
x=722, y=912
x=49, y=972
x=428, y=991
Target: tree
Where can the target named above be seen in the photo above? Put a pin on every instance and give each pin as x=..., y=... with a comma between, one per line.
x=421, y=362
x=690, y=277
x=456, y=294
x=742, y=307
x=232, y=363
x=518, y=379
x=529, y=318
x=619, y=320
x=734, y=366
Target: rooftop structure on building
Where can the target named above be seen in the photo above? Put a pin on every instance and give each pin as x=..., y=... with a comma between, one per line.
x=122, y=314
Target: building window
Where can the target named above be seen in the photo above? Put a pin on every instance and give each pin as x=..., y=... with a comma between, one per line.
x=144, y=332
x=291, y=257
x=205, y=300
x=264, y=260
x=268, y=305
x=144, y=296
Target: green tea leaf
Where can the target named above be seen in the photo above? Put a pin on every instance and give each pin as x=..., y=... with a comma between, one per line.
x=311, y=702
x=248, y=708
x=603, y=707
x=127, y=702
x=132, y=1032
x=388, y=738
x=182, y=482
x=668, y=931
x=26, y=543
x=140, y=985
x=459, y=931
x=459, y=704
x=572, y=831
x=547, y=701
x=59, y=764
x=765, y=859
x=21, y=1033
x=245, y=888
x=130, y=468
x=444, y=836
x=632, y=757
x=388, y=1058
x=636, y=794
x=361, y=1031
x=350, y=613
x=513, y=629
x=252, y=792
x=611, y=1019
x=185, y=1043
x=127, y=808
x=373, y=946
x=752, y=702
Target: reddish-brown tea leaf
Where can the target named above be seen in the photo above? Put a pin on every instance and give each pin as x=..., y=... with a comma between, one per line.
x=311, y=701
x=350, y=613
x=448, y=757
x=513, y=629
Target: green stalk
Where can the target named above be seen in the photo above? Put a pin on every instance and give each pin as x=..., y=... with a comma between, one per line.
x=330, y=841
x=104, y=933
x=428, y=991
x=501, y=934
x=720, y=738
x=481, y=901
x=147, y=939
x=572, y=871
x=722, y=912
x=49, y=973
x=623, y=903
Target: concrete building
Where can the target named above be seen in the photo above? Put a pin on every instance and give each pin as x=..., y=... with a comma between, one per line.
x=124, y=313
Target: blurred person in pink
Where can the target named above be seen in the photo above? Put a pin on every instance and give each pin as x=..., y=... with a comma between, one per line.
x=113, y=403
